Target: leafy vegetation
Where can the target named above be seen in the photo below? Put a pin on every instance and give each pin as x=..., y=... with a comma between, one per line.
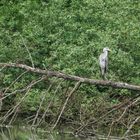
x=68, y=36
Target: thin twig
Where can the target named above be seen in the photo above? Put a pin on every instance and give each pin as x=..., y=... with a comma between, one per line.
x=21, y=90
x=14, y=116
x=130, y=127
x=15, y=81
x=10, y=86
x=30, y=56
x=99, y=119
x=62, y=110
x=44, y=114
x=17, y=105
x=125, y=110
x=2, y=68
x=43, y=98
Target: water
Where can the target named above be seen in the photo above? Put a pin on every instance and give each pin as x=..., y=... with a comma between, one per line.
x=26, y=133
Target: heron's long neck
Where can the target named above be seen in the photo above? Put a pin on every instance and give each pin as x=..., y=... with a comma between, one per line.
x=106, y=53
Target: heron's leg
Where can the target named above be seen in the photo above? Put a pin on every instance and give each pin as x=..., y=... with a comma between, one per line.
x=103, y=73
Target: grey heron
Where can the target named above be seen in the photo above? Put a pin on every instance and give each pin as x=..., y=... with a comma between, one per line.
x=103, y=61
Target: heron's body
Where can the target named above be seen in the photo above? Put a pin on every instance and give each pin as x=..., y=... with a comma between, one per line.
x=103, y=61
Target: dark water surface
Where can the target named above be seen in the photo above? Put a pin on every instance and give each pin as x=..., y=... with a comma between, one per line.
x=26, y=133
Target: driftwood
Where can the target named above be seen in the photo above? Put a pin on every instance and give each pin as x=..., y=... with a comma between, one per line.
x=72, y=77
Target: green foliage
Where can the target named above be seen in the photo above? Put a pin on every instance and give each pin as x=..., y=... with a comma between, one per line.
x=69, y=35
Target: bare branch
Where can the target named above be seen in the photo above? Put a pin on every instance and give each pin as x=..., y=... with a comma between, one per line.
x=28, y=51
x=11, y=111
x=131, y=126
x=44, y=114
x=41, y=103
x=15, y=81
x=73, y=90
x=73, y=78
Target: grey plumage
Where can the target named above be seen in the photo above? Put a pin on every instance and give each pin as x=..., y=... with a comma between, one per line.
x=103, y=61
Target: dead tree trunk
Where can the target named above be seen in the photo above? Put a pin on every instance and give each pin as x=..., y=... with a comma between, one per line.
x=72, y=77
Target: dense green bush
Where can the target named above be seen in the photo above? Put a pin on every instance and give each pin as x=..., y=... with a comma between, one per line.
x=69, y=35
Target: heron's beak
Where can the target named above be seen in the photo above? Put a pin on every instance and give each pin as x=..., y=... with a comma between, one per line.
x=109, y=50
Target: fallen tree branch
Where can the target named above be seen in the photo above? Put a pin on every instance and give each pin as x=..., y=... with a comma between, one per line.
x=11, y=111
x=65, y=103
x=45, y=112
x=130, y=127
x=72, y=77
x=41, y=103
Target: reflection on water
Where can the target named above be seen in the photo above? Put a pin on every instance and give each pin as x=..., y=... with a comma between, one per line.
x=26, y=133
x=22, y=133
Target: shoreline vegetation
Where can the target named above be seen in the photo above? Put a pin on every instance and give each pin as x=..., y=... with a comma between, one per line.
x=49, y=63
